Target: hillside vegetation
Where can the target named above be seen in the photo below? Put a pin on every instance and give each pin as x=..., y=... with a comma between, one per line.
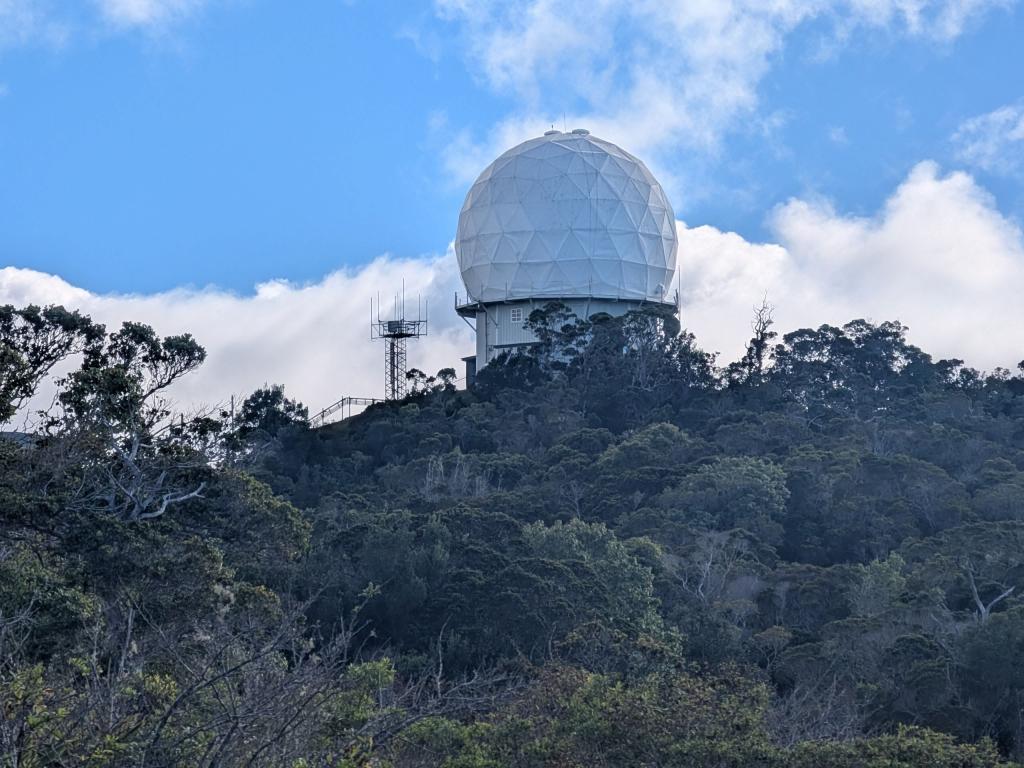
x=612, y=551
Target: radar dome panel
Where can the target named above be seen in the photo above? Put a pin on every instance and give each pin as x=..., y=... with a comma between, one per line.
x=566, y=215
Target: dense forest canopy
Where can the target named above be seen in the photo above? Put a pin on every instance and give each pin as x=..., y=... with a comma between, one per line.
x=613, y=550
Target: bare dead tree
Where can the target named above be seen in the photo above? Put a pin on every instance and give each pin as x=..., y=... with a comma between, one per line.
x=984, y=608
x=751, y=368
x=98, y=468
x=713, y=562
x=239, y=689
x=821, y=709
x=573, y=492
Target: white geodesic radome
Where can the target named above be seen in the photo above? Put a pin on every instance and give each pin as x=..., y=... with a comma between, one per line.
x=566, y=215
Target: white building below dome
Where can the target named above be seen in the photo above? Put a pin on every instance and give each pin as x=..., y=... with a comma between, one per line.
x=568, y=217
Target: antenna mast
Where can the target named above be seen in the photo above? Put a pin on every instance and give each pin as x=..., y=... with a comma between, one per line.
x=396, y=333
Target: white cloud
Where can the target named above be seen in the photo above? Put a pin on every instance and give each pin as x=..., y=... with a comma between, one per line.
x=654, y=74
x=17, y=18
x=52, y=23
x=993, y=141
x=313, y=338
x=938, y=257
x=837, y=135
x=24, y=21
x=426, y=41
x=147, y=13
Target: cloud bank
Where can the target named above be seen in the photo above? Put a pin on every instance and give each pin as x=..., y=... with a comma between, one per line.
x=313, y=338
x=938, y=256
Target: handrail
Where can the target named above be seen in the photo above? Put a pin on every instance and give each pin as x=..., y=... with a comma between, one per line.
x=320, y=419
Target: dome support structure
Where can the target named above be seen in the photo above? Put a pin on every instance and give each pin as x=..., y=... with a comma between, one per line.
x=567, y=218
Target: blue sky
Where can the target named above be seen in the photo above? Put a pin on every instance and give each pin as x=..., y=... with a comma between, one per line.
x=254, y=140
x=248, y=143
x=176, y=160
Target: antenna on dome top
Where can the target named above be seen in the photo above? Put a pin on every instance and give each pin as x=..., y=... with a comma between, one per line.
x=396, y=333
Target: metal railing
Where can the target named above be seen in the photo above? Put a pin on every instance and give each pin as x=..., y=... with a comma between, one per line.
x=321, y=418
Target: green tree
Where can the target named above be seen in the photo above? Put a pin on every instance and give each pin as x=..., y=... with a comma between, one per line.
x=733, y=493
x=32, y=341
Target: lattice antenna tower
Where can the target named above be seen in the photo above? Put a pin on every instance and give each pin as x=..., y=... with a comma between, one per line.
x=396, y=333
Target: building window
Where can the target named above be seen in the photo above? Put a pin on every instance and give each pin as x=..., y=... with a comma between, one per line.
x=517, y=315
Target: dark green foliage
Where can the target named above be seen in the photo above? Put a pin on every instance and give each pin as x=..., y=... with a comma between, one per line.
x=32, y=341
x=266, y=412
x=736, y=492
x=610, y=552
